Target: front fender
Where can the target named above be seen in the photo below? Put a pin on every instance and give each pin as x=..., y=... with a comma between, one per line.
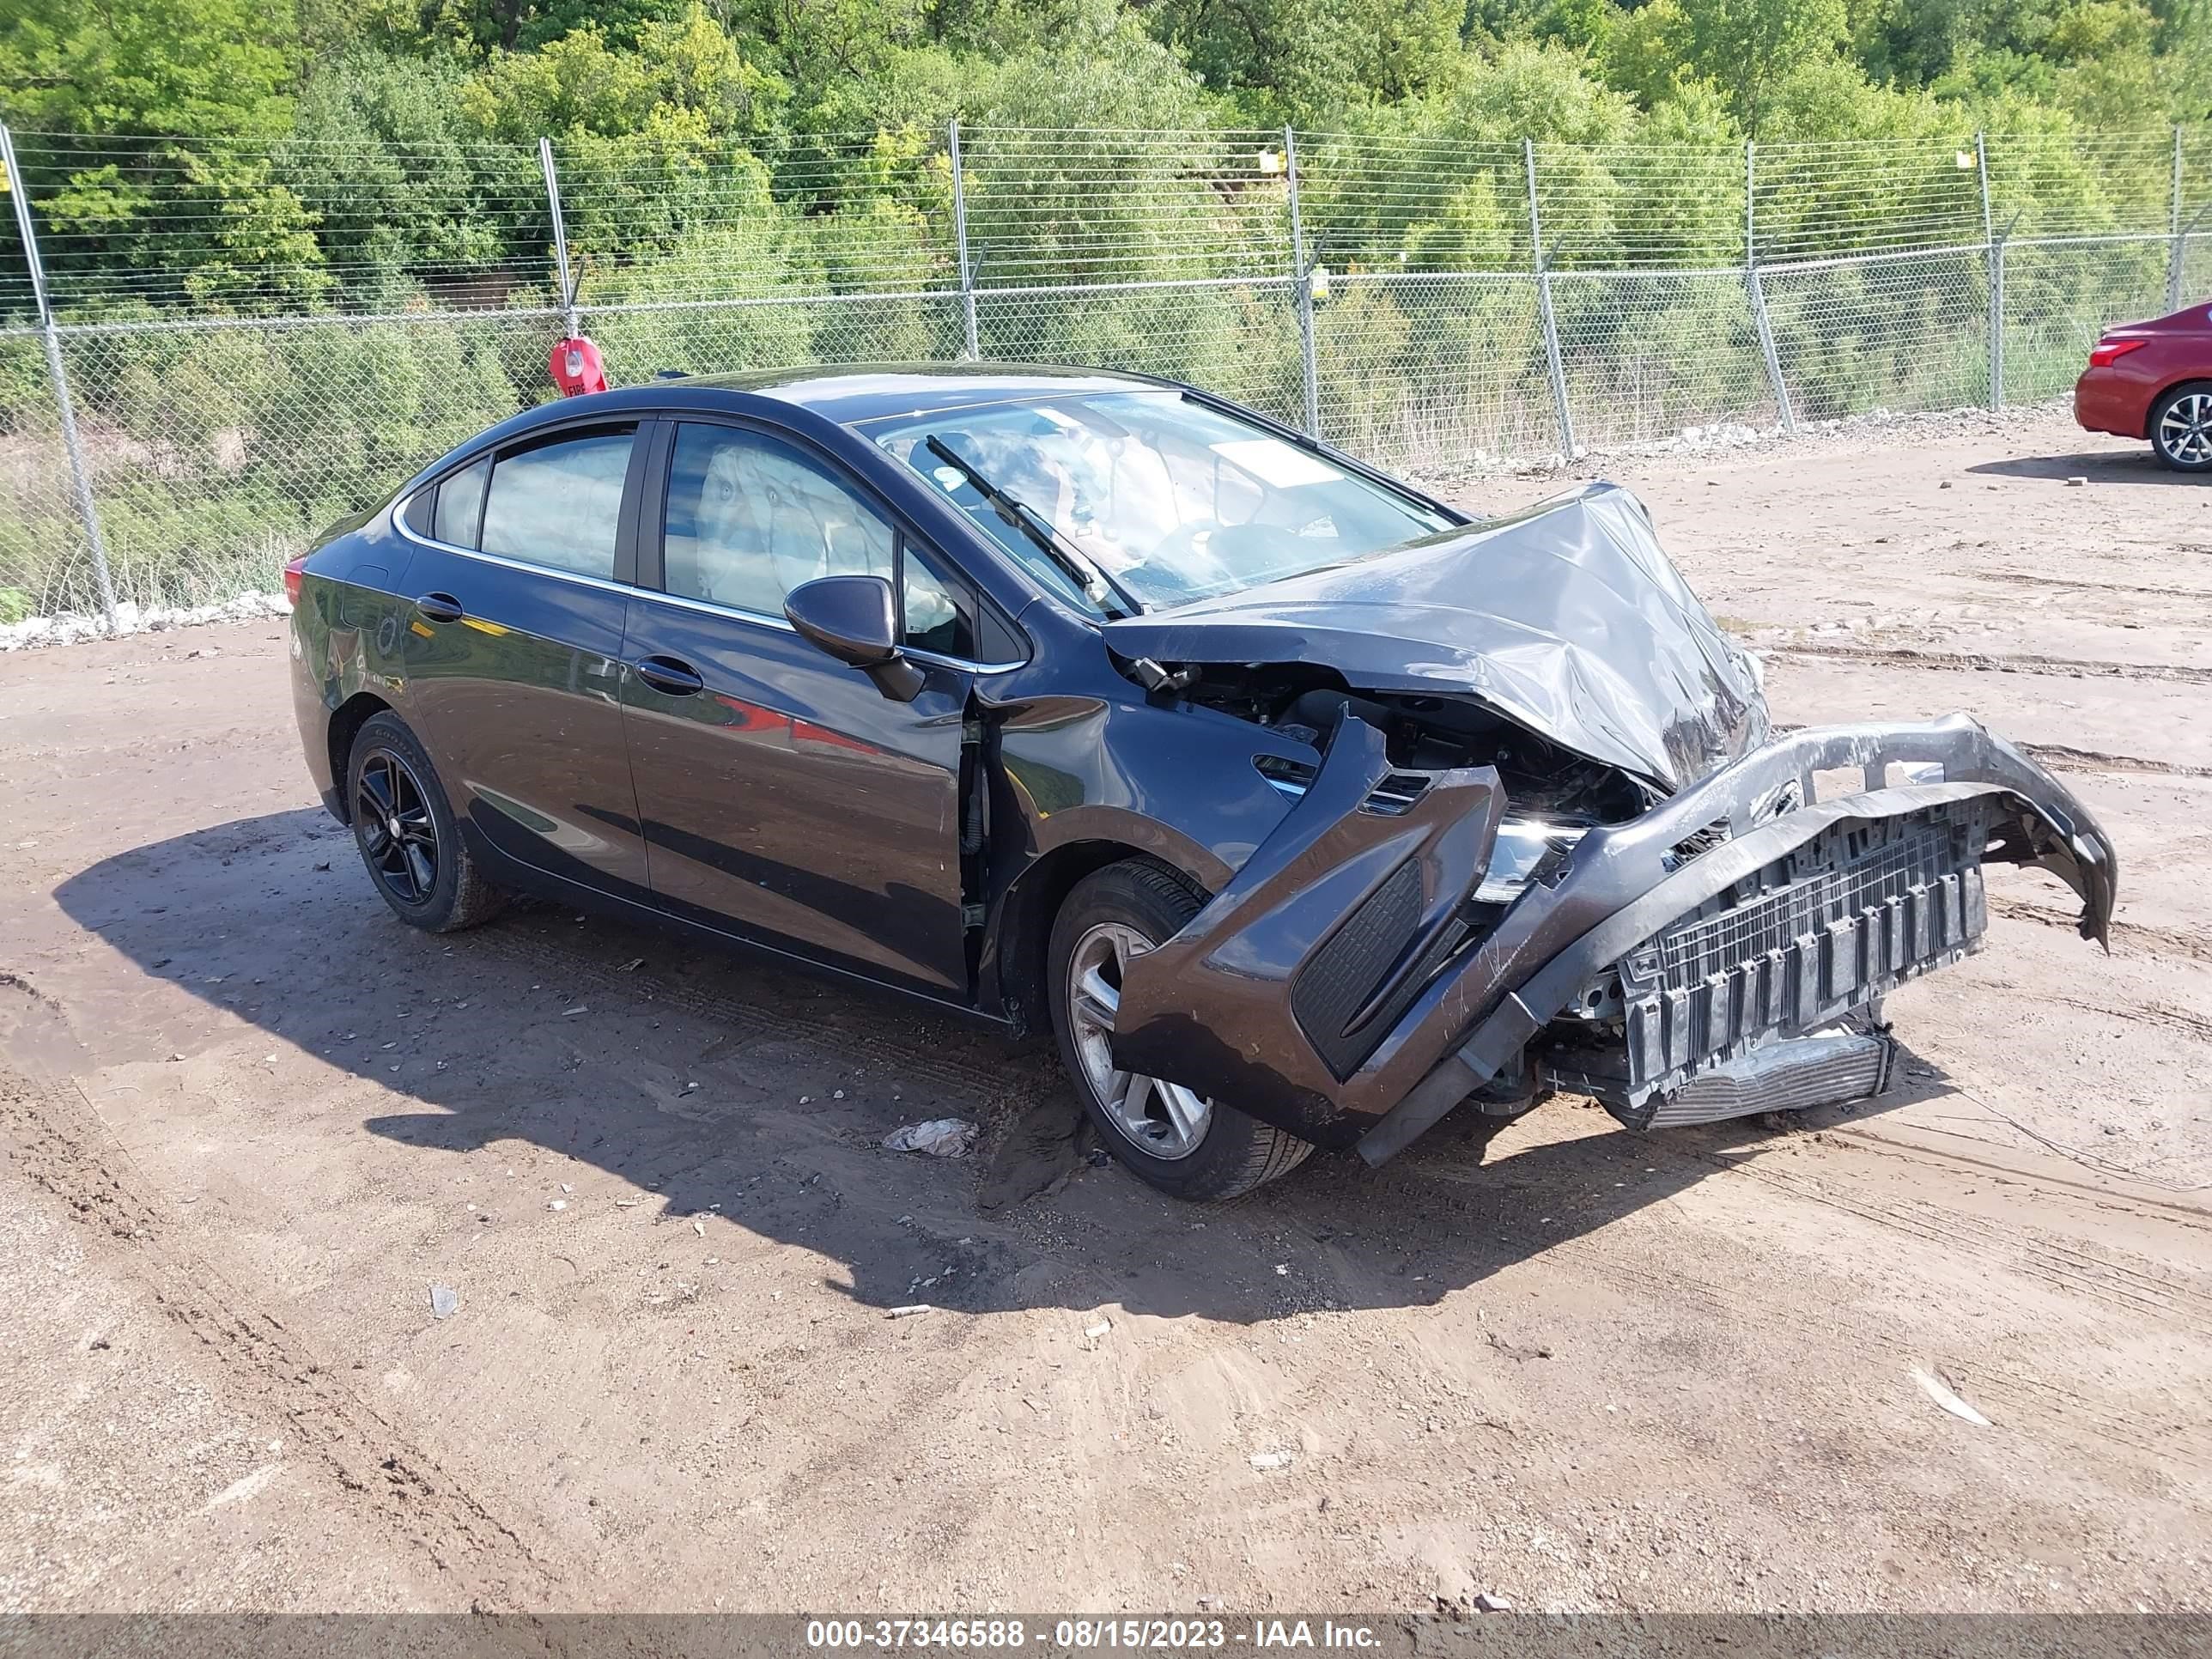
x=1302, y=966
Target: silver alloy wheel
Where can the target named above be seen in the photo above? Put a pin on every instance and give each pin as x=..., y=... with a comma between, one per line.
x=2184, y=431
x=1163, y=1119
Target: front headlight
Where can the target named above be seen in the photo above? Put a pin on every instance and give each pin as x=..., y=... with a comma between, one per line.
x=1521, y=846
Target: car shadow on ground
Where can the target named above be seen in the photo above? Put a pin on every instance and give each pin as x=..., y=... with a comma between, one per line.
x=708, y=1085
x=2122, y=466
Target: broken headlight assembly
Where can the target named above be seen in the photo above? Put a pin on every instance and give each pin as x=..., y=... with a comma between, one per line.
x=1527, y=849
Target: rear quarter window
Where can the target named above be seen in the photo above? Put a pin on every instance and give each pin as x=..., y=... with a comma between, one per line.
x=460, y=505
x=559, y=503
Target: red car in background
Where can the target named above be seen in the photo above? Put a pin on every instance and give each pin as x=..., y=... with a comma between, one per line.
x=2154, y=381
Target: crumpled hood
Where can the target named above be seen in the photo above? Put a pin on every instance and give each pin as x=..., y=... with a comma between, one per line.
x=1567, y=619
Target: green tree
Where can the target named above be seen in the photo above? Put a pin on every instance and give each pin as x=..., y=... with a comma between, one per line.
x=196, y=213
x=1308, y=57
x=1746, y=47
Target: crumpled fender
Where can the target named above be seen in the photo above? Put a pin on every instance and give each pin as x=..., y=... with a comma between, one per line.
x=1278, y=997
x=1304, y=964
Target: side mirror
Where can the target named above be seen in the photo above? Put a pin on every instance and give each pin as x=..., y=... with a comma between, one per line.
x=856, y=620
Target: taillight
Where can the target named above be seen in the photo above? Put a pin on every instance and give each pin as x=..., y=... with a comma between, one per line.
x=294, y=569
x=2101, y=356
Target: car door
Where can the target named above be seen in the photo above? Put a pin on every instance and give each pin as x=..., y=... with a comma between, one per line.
x=513, y=649
x=782, y=796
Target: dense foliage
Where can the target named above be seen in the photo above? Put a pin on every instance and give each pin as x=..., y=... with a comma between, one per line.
x=338, y=148
x=230, y=161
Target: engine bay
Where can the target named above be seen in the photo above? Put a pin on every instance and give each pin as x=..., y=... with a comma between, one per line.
x=1426, y=733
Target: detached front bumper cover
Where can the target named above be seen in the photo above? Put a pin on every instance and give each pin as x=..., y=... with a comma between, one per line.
x=1340, y=988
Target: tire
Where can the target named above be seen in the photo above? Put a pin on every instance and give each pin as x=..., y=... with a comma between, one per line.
x=2181, y=428
x=426, y=875
x=1135, y=905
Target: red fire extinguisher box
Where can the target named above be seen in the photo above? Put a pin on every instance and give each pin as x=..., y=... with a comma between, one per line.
x=576, y=367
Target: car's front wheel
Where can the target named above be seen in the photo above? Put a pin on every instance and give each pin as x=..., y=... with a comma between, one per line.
x=2181, y=428
x=408, y=835
x=1185, y=1145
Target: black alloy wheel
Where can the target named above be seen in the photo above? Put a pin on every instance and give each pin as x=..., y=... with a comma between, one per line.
x=398, y=832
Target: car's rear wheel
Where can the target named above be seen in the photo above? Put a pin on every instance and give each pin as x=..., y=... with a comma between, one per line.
x=2181, y=428
x=408, y=835
x=1175, y=1140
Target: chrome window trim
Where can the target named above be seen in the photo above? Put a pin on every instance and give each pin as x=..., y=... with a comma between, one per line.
x=660, y=596
x=937, y=658
x=407, y=533
x=782, y=625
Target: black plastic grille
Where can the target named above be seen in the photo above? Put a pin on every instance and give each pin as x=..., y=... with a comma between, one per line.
x=1344, y=972
x=1920, y=859
x=1847, y=918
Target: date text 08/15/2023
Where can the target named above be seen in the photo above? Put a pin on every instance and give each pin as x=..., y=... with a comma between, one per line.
x=1086, y=1635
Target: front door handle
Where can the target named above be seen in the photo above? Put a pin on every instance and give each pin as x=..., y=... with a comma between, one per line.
x=440, y=607
x=668, y=674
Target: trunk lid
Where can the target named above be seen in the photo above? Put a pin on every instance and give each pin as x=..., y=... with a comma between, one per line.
x=1567, y=619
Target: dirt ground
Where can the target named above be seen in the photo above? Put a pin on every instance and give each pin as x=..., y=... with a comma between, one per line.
x=252, y=1120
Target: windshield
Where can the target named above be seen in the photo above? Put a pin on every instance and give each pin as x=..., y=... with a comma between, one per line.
x=1175, y=501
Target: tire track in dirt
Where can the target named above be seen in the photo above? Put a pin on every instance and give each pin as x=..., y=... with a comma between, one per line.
x=2029, y=579
x=1905, y=656
x=2065, y=758
x=2016, y=1397
x=54, y=1139
x=2117, y=1288
x=2162, y=1015
x=2070, y=1266
x=2072, y=1269
x=2152, y=941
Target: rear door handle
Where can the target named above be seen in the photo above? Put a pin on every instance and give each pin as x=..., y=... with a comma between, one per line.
x=440, y=607
x=668, y=674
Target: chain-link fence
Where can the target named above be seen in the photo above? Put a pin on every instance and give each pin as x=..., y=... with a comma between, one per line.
x=207, y=355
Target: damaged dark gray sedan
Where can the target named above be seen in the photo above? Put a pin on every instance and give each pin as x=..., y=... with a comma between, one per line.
x=1303, y=809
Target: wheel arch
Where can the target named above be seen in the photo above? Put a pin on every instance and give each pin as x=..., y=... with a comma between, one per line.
x=345, y=723
x=2194, y=380
x=1023, y=933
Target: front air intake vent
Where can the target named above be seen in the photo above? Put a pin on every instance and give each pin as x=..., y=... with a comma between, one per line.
x=1396, y=794
x=1343, y=975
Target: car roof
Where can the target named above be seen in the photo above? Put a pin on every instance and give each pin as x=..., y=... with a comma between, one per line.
x=856, y=394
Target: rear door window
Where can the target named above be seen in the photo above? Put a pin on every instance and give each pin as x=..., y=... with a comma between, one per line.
x=558, y=503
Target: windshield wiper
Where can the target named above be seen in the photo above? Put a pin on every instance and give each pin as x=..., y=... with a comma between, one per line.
x=1100, y=589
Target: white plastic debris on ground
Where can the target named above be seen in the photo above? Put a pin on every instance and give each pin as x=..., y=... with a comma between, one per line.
x=72, y=626
x=1940, y=1392
x=942, y=1137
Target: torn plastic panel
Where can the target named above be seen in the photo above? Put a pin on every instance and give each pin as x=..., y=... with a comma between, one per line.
x=1628, y=885
x=1290, y=979
x=1323, y=992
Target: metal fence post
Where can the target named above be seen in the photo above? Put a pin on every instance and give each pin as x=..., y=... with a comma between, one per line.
x=1993, y=252
x=974, y=348
x=1302, y=268
x=1997, y=321
x=1757, y=289
x=1543, y=264
x=560, y=236
x=2180, y=253
x=80, y=475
